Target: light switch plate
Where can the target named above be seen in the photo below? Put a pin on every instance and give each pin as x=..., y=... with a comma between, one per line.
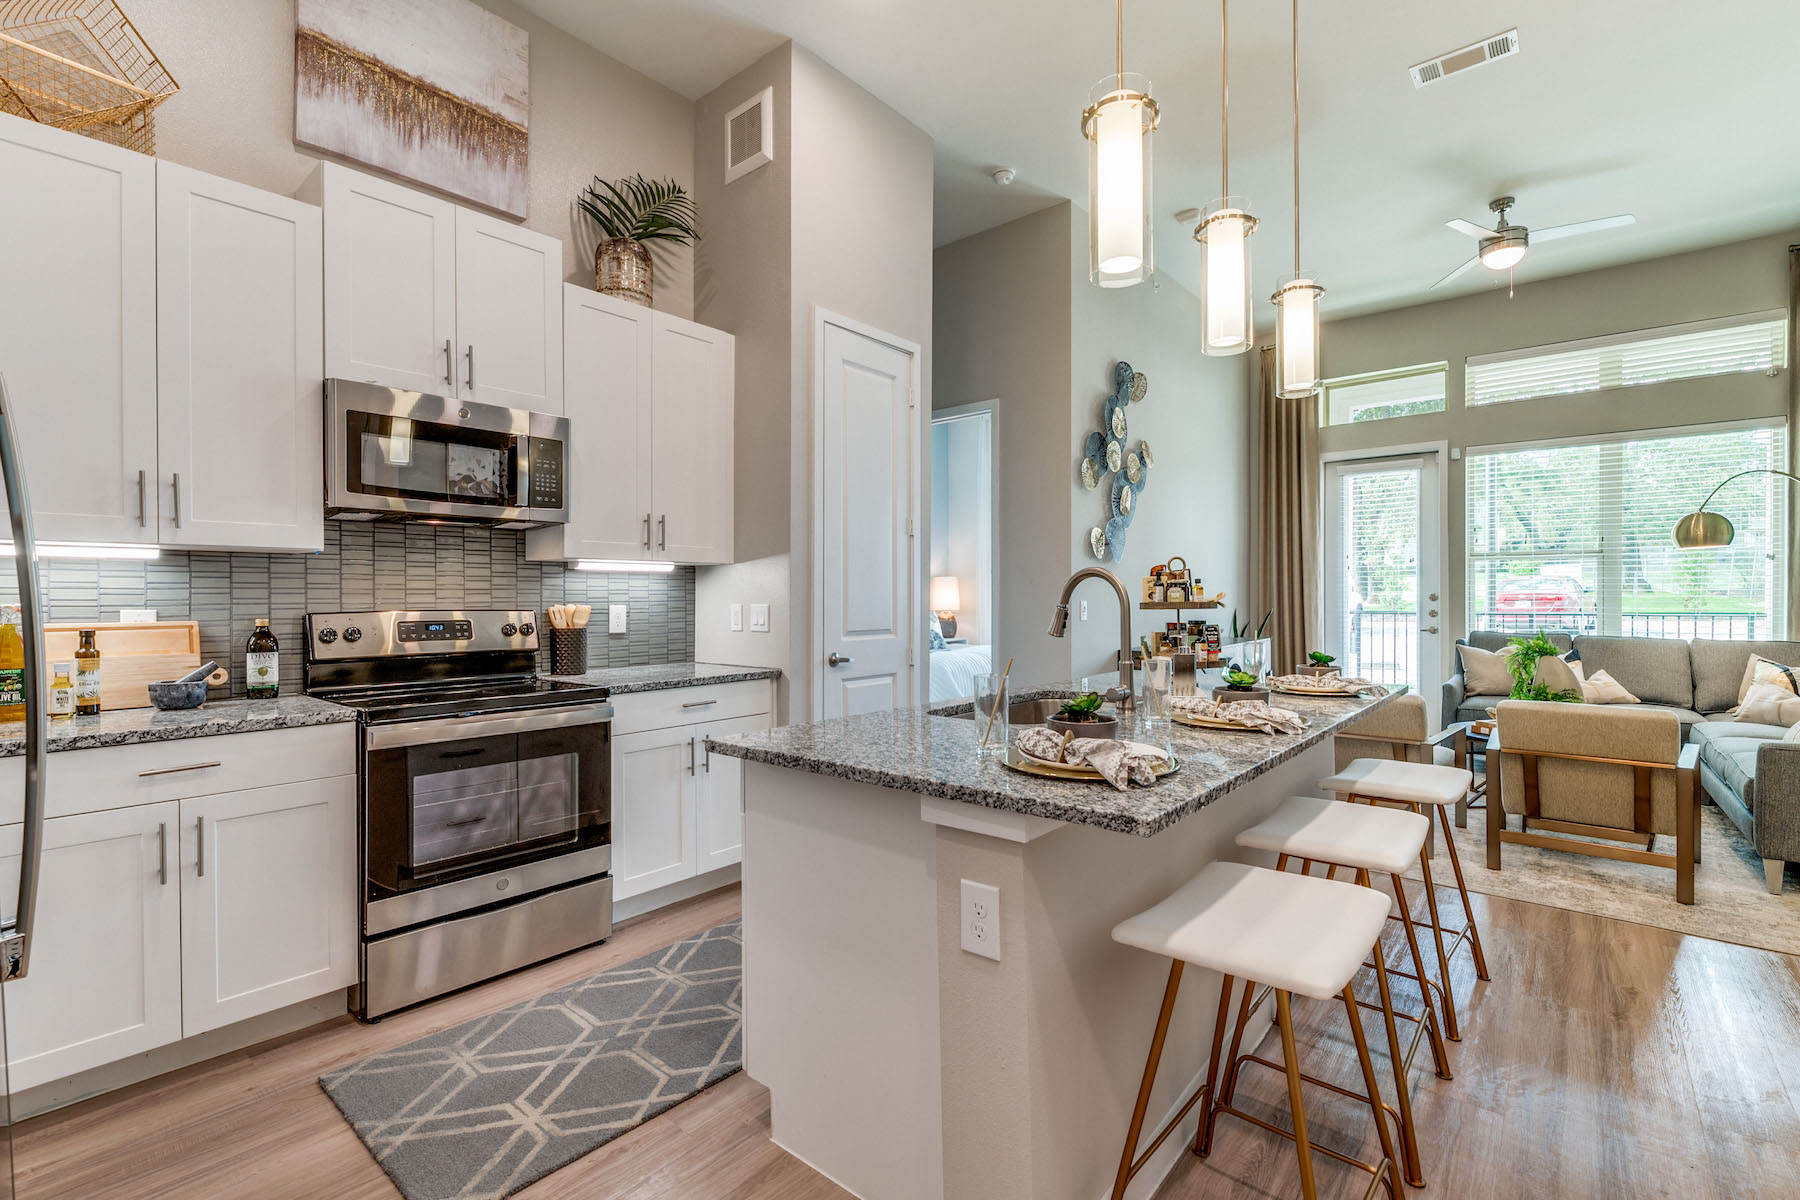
x=981, y=919
x=137, y=616
x=616, y=617
x=759, y=618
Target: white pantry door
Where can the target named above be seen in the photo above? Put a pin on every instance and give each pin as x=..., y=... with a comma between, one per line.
x=865, y=466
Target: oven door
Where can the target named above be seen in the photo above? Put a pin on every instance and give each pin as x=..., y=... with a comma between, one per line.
x=453, y=798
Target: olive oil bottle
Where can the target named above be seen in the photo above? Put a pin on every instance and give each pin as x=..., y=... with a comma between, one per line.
x=262, y=663
x=87, y=676
x=12, y=665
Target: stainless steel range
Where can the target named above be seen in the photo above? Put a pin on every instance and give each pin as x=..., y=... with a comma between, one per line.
x=485, y=797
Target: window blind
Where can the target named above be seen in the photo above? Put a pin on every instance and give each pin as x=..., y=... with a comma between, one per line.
x=1580, y=537
x=1728, y=346
x=1384, y=394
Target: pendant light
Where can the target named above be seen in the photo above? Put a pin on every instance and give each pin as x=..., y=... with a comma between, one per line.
x=1224, y=235
x=1297, y=299
x=1118, y=122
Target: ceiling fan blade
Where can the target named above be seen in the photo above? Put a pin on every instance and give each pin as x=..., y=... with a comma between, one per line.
x=1470, y=228
x=1581, y=227
x=1456, y=274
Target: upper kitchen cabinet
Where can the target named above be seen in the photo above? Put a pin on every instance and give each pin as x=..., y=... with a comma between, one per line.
x=649, y=399
x=78, y=330
x=240, y=360
x=427, y=296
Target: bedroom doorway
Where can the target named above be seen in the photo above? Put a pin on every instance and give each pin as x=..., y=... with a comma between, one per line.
x=962, y=589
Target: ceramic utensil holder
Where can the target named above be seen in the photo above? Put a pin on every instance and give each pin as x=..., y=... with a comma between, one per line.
x=568, y=651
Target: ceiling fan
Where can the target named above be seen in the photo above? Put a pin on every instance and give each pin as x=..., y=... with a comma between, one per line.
x=1503, y=246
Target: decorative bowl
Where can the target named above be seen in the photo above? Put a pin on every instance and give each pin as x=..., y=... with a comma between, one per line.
x=1225, y=695
x=173, y=695
x=1107, y=727
x=1315, y=671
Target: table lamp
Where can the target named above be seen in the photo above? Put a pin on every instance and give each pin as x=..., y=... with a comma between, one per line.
x=946, y=598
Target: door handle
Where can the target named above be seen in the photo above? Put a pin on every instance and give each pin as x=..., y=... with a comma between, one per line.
x=162, y=852
x=646, y=531
x=690, y=756
x=200, y=841
x=838, y=660
x=706, y=763
x=16, y=935
x=143, y=508
x=199, y=766
x=175, y=490
x=1429, y=629
x=699, y=704
x=449, y=362
x=662, y=532
x=471, y=366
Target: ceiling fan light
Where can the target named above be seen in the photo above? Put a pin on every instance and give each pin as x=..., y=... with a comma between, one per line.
x=1117, y=124
x=1224, y=237
x=1503, y=252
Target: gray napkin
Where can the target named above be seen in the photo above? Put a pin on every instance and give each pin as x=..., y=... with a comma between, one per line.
x=1120, y=763
x=1254, y=713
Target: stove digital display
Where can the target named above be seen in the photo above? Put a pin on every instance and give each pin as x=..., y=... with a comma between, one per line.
x=433, y=631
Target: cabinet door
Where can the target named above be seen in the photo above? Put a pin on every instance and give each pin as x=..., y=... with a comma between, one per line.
x=268, y=899
x=719, y=802
x=390, y=283
x=78, y=329
x=652, y=809
x=509, y=317
x=606, y=396
x=105, y=980
x=692, y=388
x=239, y=359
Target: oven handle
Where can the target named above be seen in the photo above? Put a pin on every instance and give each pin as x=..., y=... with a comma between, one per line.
x=456, y=729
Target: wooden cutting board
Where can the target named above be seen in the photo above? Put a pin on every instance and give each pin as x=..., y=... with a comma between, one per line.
x=131, y=655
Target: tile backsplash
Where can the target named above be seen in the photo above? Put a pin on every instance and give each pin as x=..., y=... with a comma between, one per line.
x=368, y=566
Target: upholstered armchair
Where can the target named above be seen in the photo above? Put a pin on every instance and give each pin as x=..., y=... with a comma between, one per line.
x=1398, y=730
x=1595, y=771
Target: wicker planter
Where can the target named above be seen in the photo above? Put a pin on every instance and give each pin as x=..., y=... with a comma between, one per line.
x=622, y=268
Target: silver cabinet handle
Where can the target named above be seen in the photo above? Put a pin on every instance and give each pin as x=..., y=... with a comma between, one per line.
x=662, y=532
x=449, y=361
x=471, y=366
x=699, y=704
x=143, y=508
x=200, y=840
x=162, y=852
x=707, y=746
x=839, y=660
x=690, y=756
x=200, y=766
x=646, y=531
x=16, y=935
x=175, y=488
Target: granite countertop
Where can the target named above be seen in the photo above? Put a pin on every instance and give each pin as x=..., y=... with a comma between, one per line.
x=661, y=677
x=925, y=751
x=128, y=726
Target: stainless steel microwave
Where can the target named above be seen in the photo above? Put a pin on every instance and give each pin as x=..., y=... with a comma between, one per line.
x=399, y=455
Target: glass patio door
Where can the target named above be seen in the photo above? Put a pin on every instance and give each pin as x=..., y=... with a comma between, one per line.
x=1383, y=587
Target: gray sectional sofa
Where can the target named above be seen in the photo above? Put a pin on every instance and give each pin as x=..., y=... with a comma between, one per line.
x=1746, y=769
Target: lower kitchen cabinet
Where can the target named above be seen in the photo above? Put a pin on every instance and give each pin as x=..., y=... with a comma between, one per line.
x=719, y=804
x=268, y=899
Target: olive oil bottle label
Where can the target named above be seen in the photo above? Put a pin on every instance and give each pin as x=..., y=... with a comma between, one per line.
x=87, y=684
x=262, y=673
x=12, y=687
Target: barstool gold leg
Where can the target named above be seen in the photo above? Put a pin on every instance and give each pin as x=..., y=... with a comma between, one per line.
x=1229, y=1088
x=1409, y=1137
x=1439, y=1055
x=1481, y=969
x=1437, y=934
x=1203, y=1134
x=1389, y=1158
x=1284, y=1017
x=1143, y=1097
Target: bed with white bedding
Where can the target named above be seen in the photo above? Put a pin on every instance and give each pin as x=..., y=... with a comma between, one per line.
x=954, y=668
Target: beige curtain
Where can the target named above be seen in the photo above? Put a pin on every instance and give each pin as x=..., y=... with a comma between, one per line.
x=1287, y=519
x=1793, y=444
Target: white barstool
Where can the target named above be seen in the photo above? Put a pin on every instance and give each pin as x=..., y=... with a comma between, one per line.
x=1363, y=838
x=1293, y=933
x=1422, y=787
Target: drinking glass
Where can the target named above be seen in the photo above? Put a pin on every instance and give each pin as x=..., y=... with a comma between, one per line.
x=1256, y=657
x=991, y=703
x=1158, y=681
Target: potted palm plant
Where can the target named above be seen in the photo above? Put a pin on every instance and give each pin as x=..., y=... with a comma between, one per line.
x=628, y=214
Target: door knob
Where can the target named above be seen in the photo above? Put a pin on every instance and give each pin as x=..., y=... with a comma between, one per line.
x=1433, y=596
x=1432, y=613
x=838, y=660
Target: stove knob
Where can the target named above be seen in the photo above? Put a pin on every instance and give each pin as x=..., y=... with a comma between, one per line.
x=528, y=629
x=328, y=635
x=353, y=634
x=508, y=629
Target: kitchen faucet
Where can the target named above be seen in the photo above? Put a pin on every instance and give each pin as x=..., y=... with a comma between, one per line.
x=1059, y=627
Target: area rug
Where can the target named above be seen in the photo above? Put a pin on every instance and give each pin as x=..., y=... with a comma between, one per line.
x=1731, y=901
x=484, y=1108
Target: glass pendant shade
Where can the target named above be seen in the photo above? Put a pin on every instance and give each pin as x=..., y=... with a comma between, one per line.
x=1224, y=237
x=1297, y=338
x=1119, y=120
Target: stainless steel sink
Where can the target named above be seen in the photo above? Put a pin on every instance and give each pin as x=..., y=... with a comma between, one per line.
x=1026, y=712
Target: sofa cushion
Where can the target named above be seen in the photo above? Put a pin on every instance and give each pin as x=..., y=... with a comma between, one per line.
x=1728, y=749
x=1718, y=668
x=1655, y=670
x=1475, y=708
x=1489, y=639
x=1484, y=670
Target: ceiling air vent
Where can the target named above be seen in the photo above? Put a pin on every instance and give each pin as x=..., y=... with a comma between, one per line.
x=750, y=135
x=1501, y=45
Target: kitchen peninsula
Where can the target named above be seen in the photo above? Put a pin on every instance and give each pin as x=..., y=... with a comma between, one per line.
x=906, y=1067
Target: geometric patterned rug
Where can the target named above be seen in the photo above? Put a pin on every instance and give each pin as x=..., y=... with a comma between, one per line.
x=482, y=1109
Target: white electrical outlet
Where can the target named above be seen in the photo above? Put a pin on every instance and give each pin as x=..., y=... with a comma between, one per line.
x=1084, y=610
x=981, y=919
x=615, y=618
x=137, y=616
x=759, y=618
x=737, y=618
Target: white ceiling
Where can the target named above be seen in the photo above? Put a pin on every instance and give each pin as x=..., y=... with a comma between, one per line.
x=1681, y=115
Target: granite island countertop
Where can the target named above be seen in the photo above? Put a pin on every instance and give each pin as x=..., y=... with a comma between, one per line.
x=933, y=754
x=128, y=726
x=660, y=677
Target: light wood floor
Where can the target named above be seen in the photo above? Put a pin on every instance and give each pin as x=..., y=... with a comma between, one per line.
x=1604, y=1060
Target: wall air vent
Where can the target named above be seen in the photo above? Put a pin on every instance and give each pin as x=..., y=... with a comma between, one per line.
x=1435, y=70
x=750, y=135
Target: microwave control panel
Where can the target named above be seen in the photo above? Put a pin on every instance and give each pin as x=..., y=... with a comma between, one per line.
x=546, y=474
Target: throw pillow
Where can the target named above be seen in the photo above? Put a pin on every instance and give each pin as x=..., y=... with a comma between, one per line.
x=1760, y=670
x=1792, y=735
x=1602, y=688
x=1559, y=674
x=1770, y=704
x=1484, y=672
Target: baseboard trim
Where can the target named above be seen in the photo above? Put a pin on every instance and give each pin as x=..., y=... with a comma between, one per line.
x=675, y=893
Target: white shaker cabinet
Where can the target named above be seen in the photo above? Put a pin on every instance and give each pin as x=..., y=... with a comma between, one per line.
x=653, y=810
x=425, y=295
x=719, y=799
x=78, y=329
x=240, y=361
x=691, y=464
x=268, y=899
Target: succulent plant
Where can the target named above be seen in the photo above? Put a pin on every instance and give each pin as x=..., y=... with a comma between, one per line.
x=1320, y=658
x=1238, y=679
x=1081, y=708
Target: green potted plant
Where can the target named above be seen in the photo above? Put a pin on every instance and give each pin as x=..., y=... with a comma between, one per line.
x=1521, y=663
x=1084, y=717
x=1240, y=685
x=628, y=213
x=1317, y=663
